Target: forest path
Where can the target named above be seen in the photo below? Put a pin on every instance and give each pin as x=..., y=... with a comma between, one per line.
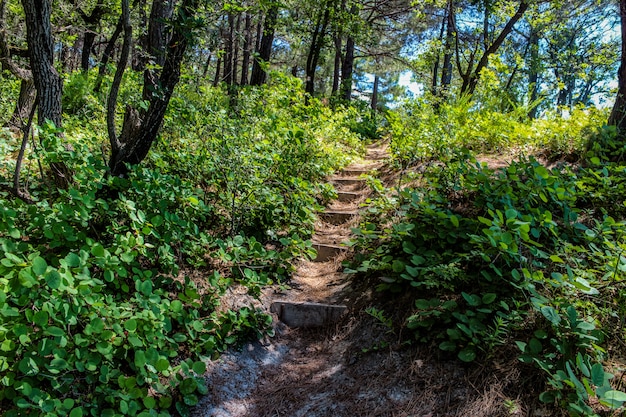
x=356, y=367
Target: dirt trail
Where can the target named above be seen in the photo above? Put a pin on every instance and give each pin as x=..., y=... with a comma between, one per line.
x=354, y=368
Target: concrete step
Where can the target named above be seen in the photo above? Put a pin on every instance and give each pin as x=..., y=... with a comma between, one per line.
x=347, y=196
x=307, y=314
x=337, y=217
x=327, y=252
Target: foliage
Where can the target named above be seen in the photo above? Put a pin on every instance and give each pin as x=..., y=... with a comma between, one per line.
x=110, y=289
x=523, y=253
x=424, y=132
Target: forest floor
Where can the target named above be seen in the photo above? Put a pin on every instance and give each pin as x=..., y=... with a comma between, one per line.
x=358, y=366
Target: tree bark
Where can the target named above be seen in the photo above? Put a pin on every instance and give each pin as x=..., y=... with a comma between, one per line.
x=91, y=26
x=374, y=102
x=317, y=41
x=139, y=133
x=337, y=65
x=264, y=51
x=446, y=73
x=347, y=69
x=533, y=75
x=158, y=36
x=618, y=113
x=245, y=61
x=107, y=54
x=48, y=83
x=26, y=99
x=229, y=35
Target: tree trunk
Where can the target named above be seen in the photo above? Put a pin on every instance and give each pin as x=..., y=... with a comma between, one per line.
x=446, y=73
x=236, y=48
x=470, y=81
x=48, y=83
x=533, y=75
x=24, y=105
x=138, y=134
x=245, y=61
x=228, y=54
x=337, y=65
x=374, y=103
x=347, y=69
x=91, y=26
x=107, y=54
x=158, y=36
x=264, y=51
x=218, y=71
x=26, y=99
x=317, y=41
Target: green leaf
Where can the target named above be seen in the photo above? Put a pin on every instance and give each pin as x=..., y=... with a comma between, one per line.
x=199, y=367
x=72, y=260
x=597, y=374
x=176, y=306
x=489, y=298
x=53, y=279
x=556, y=259
x=551, y=314
x=146, y=288
x=162, y=364
x=39, y=266
x=542, y=172
x=54, y=331
x=447, y=346
x=467, y=355
x=130, y=325
x=454, y=220
x=615, y=396
x=77, y=412
x=41, y=318
x=472, y=299
x=97, y=250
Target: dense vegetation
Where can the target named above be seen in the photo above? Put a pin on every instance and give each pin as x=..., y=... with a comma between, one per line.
x=523, y=255
x=109, y=304
x=122, y=228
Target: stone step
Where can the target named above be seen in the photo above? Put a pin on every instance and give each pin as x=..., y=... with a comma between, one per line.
x=337, y=217
x=347, y=196
x=327, y=252
x=307, y=314
x=355, y=172
x=354, y=183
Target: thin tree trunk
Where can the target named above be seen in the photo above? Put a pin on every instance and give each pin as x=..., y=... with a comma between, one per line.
x=317, y=41
x=264, y=51
x=228, y=55
x=107, y=54
x=337, y=65
x=374, y=102
x=470, y=82
x=347, y=69
x=206, y=65
x=24, y=105
x=137, y=138
x=245, y=61
x=533, y=75
x=218, y=70
x=236, y=48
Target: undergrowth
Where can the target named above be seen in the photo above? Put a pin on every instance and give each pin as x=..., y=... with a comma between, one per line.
x=525, y=255
x=110, y=290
